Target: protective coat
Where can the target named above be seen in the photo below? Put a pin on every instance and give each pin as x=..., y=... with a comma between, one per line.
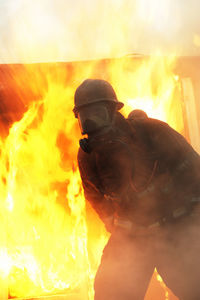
x=146, y=173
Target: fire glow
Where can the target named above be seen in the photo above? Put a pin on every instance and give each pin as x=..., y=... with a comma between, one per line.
x=51, y=239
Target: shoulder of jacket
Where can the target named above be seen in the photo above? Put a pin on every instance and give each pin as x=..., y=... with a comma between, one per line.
x=147, y=121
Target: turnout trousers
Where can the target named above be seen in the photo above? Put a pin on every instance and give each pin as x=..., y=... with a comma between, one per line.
x=128, y=262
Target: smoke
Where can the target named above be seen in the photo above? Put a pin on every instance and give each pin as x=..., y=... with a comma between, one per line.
x=40, y=31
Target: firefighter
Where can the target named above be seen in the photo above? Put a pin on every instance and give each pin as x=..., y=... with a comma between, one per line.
x=142, y=179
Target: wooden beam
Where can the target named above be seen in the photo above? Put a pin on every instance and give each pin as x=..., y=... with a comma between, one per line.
x=191, y=113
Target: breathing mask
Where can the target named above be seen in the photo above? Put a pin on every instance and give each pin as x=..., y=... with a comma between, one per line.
x=93, y=118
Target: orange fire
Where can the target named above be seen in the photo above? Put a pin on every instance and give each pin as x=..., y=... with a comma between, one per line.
x=51, y=239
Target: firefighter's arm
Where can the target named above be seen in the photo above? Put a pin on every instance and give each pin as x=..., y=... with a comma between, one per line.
x=92, y=191
x=175, y=153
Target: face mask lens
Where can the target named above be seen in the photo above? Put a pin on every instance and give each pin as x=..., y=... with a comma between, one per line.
x=92, y=118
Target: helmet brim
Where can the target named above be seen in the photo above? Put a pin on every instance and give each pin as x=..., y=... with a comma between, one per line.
x=119, y=105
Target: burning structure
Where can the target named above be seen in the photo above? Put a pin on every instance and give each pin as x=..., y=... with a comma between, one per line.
x=51, y=240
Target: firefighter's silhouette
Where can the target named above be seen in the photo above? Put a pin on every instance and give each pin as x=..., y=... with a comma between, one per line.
x=143, y=180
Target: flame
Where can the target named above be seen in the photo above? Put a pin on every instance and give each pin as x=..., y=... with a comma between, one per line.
x=196, y=40
x=52, y=240
x=159, y=278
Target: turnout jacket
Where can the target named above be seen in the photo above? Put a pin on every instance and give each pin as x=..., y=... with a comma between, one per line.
x=140, y=170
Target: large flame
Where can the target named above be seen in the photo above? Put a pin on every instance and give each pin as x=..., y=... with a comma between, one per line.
x=51, y=239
